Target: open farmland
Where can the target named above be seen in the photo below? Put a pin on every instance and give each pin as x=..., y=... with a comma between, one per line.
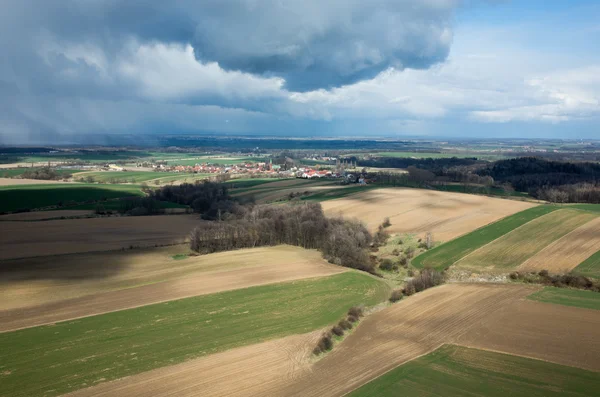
x=13, y=198
x=464, y=314
x=457, y=371
x=123, y=176
x=568, y=297
x=445, y=255
x=54, y=237
x=36, y=291
x=517, y=246
x=446, y=215
x=75, y=354
x=566, y=253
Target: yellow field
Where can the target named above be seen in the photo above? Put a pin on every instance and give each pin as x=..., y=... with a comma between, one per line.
x=564, y=254
x=515, y=247
x=446, y=215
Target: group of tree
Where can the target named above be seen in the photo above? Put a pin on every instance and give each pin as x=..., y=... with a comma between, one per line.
x=342, y=241
x=555, y=181
x=211, y=199
x=44, y=173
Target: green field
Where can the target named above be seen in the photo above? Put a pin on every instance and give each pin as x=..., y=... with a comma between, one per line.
x=460, y=371
x=124, y=176
x=568, y=297
x=16, y=197
x=74, y=354
x=324, y=195
x=584, y=207
x=445, y=255
x=515, y=247
x=590, y=267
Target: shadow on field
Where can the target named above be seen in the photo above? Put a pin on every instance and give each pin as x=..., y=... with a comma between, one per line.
x=64, y=267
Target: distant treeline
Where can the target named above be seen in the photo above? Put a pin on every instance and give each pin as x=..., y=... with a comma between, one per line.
x=45, y=173
x=436, y=166
x=554, y=181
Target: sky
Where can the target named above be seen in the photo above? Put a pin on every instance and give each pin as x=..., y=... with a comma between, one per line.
x=344, y=68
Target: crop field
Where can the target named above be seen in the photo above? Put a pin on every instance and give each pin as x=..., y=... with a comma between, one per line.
x=41, y=290
x=569, y=251
x=590, y=267
x=44, y=215
x=54, y=237
x=123, y=176
x=515, y=247
x=216, y=160
x=451, y=314
x=458, y=371
x=445, y=255
x=13, y=198
x=568, y=297
x=418, y=211
x=75, y=354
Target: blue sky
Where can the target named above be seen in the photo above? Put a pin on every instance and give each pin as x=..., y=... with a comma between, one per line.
x=402, y=68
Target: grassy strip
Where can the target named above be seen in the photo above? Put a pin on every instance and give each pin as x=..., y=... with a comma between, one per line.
x=590, y=267
x=568, y=297
x=125, y=176
x=460, y=371
x=445, y=255
x=52, y=360
x=13, y=198
x=585, y=207
x=336, y=193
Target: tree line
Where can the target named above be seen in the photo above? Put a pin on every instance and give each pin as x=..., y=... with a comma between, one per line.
x=342, y=241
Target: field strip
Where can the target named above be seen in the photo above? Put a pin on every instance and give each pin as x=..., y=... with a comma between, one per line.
x=560, y=334
x=447, y=215
x=193, y=284
x=520, y=244
x=454, y=370
x=73, y=355
x=564, y=254
x=43, y=215
x=55, y=237
x=243, y=371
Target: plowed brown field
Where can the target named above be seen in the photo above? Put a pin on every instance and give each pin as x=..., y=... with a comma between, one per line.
x=566, y=253
x=25, y=239
x=146, y=283
x=41, y=215
x=484, y=316
x=447, y=215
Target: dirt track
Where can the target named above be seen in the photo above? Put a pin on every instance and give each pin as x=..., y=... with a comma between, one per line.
x=195, y=276
x=566, y=253
x=25, y=239
x=485, y=316
x=446, y=215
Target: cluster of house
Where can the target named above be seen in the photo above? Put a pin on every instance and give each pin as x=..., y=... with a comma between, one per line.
x=250, y=168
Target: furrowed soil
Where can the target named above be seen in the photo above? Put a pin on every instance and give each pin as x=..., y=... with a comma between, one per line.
x=25, y=239
x=238, y=372
x=517, y=246
x=566, y=253
x=452, y=313
x=75, y=354
x=38, y=291
x=43, y=215
x=446, y=215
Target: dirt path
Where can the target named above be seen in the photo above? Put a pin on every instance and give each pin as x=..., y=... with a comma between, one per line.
x=564, y=254
x=247, y=371
x=447, y=215
x=201, y=275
